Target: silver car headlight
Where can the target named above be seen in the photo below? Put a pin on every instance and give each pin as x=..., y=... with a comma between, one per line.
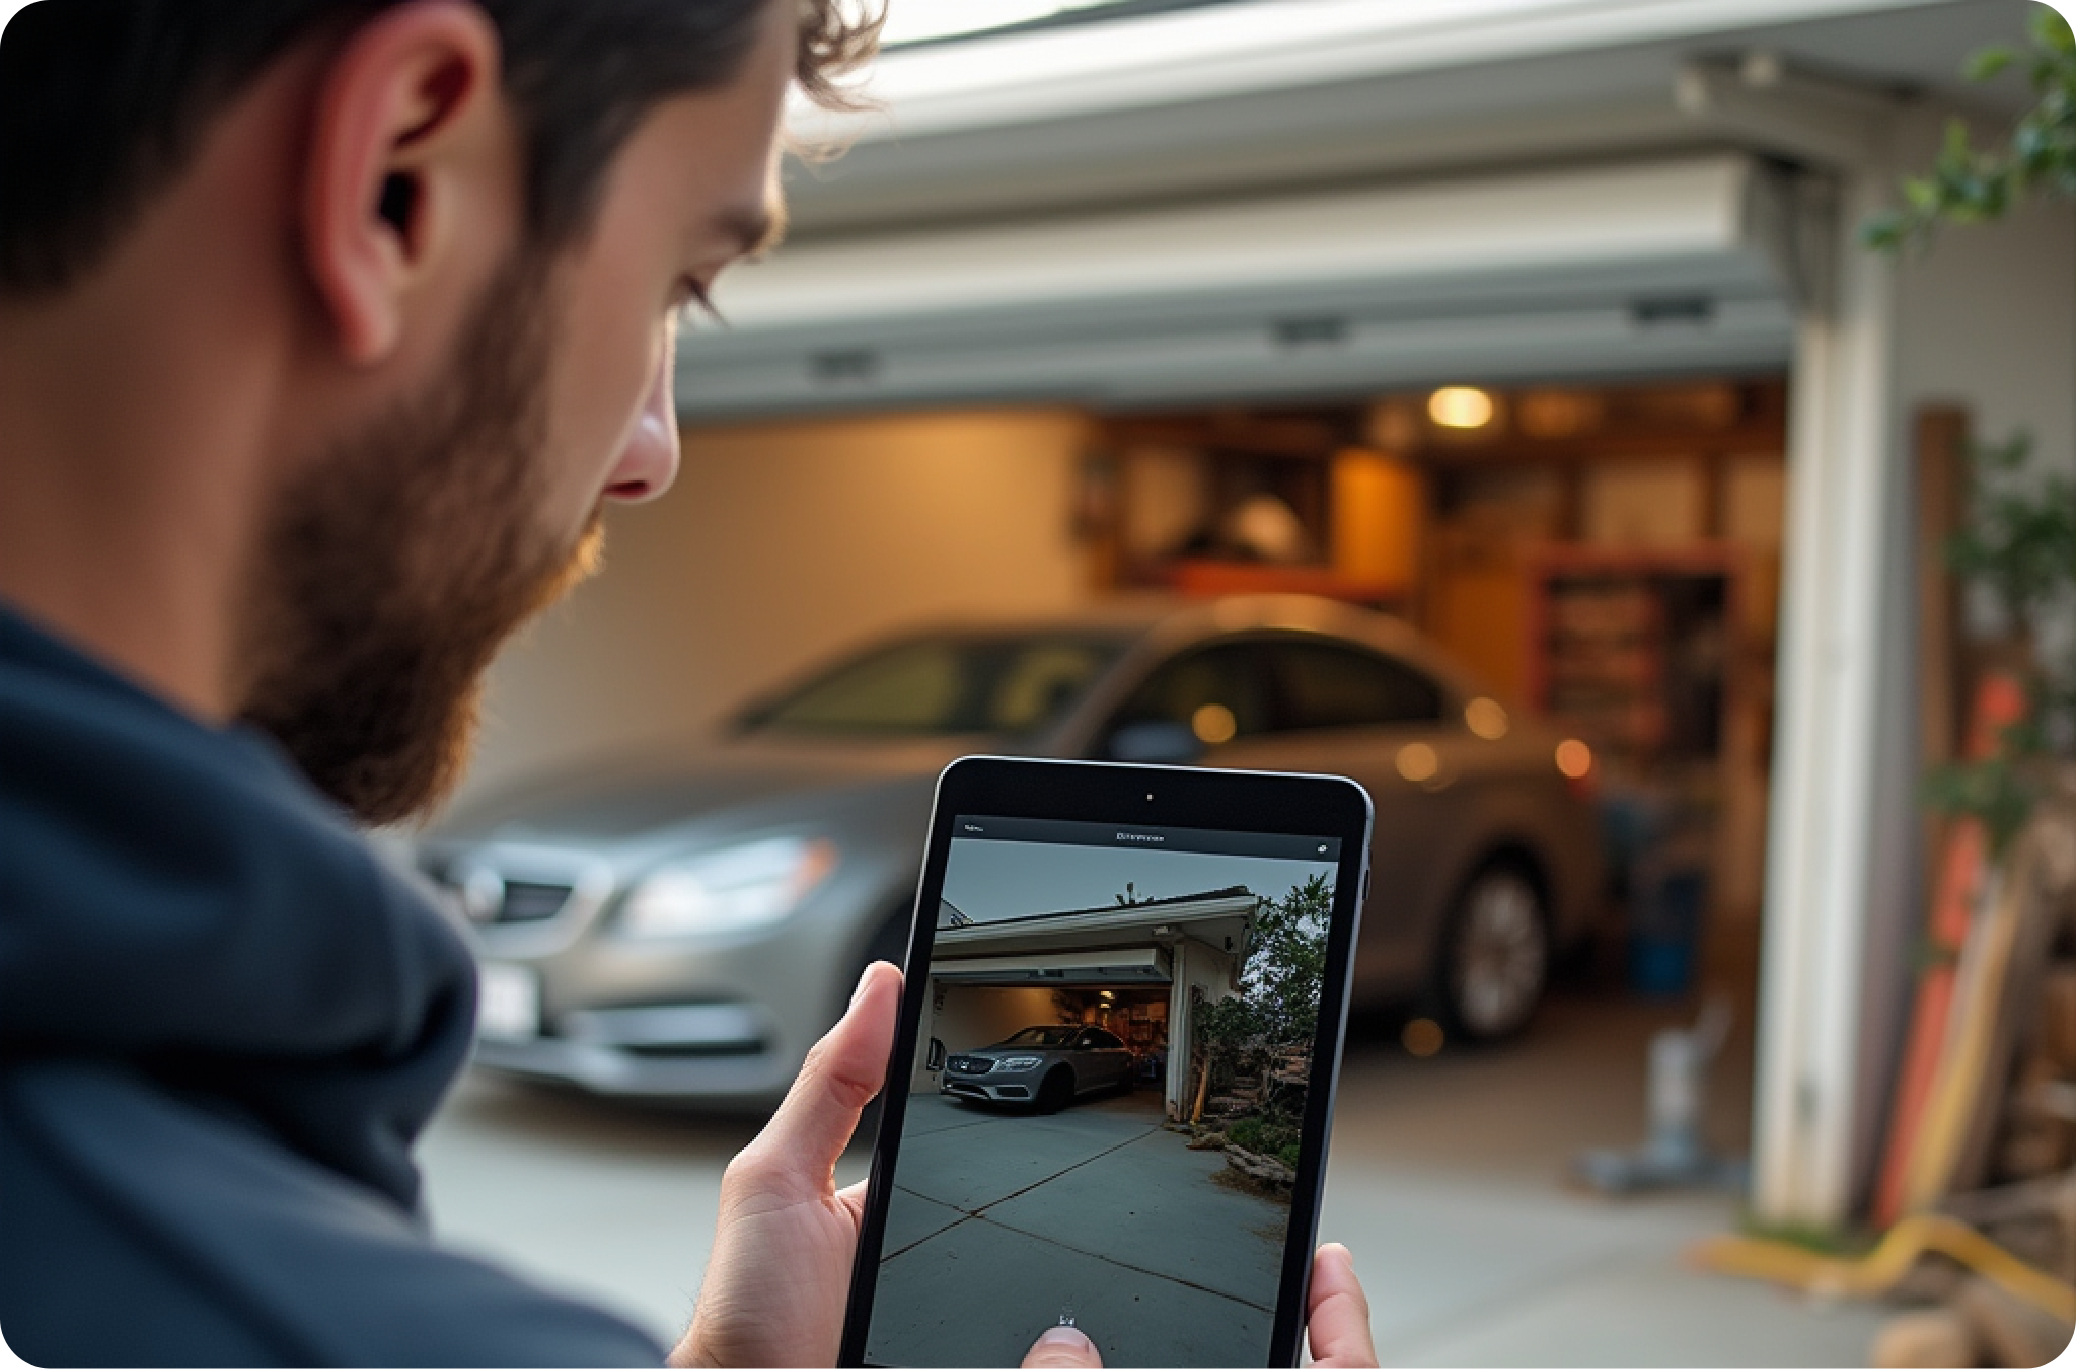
x=1020, y=1062
x=731, y=889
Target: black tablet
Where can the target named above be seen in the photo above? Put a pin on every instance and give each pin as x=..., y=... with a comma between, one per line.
x=1113, y=1079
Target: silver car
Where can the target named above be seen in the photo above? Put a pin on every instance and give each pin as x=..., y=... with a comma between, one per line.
x=687, y=927
x=1045, y=1067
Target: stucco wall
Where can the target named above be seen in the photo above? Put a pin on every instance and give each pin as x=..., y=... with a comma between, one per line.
x=780, y=543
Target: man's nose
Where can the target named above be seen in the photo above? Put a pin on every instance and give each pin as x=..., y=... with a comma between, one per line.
x=649, y=462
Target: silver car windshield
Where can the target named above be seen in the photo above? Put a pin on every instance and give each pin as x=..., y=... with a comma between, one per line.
x=945, y=686
x=1044, y=1036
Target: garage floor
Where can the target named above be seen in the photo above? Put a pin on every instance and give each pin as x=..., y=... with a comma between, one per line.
x=1446, y=1179
x=1096, y=1212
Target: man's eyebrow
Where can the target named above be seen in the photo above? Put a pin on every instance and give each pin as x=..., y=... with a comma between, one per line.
x=757, y=230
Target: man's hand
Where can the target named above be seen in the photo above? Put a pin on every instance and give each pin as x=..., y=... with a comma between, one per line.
x=1337, y=1324
x=781, y=1271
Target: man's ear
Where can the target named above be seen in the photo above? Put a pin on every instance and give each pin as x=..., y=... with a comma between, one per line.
x=404, y=135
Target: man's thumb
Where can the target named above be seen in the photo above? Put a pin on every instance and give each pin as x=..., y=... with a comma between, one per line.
x=842, y=1073
x=1065, y=1347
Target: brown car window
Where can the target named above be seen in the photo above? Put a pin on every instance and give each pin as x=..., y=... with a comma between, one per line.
x=1325, y=684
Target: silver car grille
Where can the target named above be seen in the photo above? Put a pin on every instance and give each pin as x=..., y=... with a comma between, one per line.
x=525, y=902
x=490, y=901
x=971, y=1064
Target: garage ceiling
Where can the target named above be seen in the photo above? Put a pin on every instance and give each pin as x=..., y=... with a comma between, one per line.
x=1680, y=264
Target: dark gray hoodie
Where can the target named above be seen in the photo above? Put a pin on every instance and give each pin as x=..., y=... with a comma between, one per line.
x=222, y=1025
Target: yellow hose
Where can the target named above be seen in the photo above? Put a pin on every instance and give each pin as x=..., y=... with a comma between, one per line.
x=1889, y=1261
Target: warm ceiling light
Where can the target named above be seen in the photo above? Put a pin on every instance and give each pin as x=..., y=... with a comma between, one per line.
x=1460, y=406
x=1417, y=762
x=1214, y=724
x=1574, y=758
x=1486, y=718
x=1107, y=995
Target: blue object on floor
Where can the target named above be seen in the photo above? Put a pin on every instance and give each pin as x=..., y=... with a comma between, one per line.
x=1665, y=931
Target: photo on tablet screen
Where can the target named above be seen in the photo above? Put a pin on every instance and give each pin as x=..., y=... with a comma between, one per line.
x=1092, y=991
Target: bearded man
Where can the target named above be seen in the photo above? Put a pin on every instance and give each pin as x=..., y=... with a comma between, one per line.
x=326, y=329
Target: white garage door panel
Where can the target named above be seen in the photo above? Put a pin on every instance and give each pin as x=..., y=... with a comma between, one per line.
x=1665, y=265
x=1147, y=965
x=1735, y=335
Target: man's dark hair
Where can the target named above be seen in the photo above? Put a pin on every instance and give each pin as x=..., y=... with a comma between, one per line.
x=102, y=102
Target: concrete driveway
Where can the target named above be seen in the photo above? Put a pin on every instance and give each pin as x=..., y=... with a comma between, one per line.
x=1003, y=1222
x=1446, y=1181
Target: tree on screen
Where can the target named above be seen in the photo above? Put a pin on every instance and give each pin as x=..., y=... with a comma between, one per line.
x=1276, y=1012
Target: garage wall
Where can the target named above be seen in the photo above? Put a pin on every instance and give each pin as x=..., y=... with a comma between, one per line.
x=1986, y=320
x=780, y=543
x=980, y=1015
x=1201, y=966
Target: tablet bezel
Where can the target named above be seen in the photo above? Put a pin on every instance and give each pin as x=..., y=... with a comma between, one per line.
x=1167, y=796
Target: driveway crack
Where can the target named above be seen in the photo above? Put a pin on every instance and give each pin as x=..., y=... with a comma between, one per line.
x=1056, y=1174
x=980, y=1214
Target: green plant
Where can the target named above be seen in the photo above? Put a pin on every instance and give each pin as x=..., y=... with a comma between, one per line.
x=1280, y=982
x=2020, y=539
x=1971, y=185
x=1286, y=962
x=2019, y=543
x=1272, y=1136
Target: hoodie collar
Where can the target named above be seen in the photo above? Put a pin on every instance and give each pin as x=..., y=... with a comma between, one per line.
x=179, y=898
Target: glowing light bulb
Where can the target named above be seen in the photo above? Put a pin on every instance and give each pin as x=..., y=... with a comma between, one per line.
x=1460, y=406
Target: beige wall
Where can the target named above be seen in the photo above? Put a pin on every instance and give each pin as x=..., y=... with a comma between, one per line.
x=975, y=1015
x=780, y=543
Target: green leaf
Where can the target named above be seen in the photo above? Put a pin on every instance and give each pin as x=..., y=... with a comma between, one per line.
x=1989, y=63
x=2051, y=31
x=1881, y=231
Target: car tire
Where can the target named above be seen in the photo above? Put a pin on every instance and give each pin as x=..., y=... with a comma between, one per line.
x=1495, y=955
x=1057, y=1089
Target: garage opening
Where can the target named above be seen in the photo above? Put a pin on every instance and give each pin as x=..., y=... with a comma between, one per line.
x=1604, y=556
x=968, y=1015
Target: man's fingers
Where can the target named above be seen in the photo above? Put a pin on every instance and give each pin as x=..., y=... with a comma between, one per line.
x=797, y=1150
x=1339, y=1320
x=1064, y=1346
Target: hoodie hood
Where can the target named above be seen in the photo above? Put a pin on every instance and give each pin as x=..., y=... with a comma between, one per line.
x=176, y=898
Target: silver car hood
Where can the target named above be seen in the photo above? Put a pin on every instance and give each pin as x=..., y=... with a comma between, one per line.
x=757, y=779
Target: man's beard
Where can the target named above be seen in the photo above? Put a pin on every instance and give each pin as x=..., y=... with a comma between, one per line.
x=396, y=567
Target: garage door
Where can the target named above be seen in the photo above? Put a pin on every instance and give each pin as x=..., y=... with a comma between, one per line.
x=1669, y=265
x=1149, y=965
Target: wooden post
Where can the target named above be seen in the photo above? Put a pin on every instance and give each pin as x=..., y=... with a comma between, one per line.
x=1942, y=491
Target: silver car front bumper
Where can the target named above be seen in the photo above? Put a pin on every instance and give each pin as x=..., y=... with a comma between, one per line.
x=725, y=1020
x=996, y=1086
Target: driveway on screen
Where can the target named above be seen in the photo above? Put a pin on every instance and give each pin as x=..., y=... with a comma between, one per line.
x=1004, y=1222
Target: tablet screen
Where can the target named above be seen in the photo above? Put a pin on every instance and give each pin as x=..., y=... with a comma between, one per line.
x=1103, y=1113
